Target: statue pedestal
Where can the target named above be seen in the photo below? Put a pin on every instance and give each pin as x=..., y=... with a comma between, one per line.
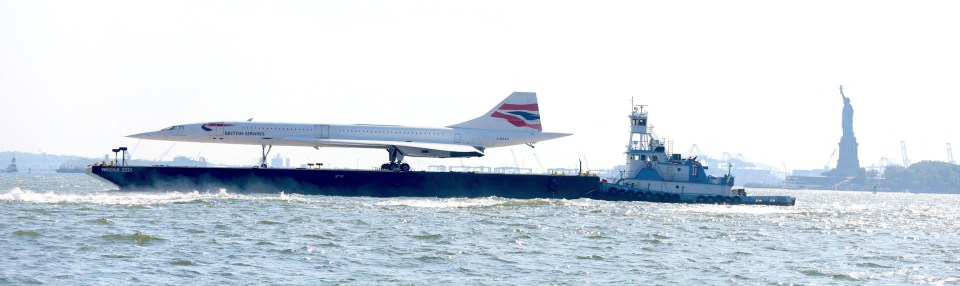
x=848, y=164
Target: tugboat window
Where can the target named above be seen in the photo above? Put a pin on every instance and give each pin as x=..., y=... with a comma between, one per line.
x=640, y=122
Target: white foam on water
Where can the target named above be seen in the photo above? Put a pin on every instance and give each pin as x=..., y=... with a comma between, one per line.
x=442, y=203
x=131, y=198
x=479, y=202
x=735, y=209
x=578, y=203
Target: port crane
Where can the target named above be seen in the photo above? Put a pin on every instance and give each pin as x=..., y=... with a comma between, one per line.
x=950, y=154
x=826, y=166
x=903, y=152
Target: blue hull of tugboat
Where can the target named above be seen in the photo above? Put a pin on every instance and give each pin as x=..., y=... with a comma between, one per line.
x=616, y=192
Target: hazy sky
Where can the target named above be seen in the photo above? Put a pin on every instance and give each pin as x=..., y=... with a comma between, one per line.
x=753, y=77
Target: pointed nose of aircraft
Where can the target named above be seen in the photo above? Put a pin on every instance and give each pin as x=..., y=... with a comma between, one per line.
x=144, y=135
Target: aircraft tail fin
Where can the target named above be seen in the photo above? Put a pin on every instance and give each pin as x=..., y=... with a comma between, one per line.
x=519, y=111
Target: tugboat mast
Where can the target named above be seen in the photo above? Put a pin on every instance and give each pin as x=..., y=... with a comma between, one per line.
x=640, y=137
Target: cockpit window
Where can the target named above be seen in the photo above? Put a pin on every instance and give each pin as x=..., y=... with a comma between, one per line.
x=175, y=127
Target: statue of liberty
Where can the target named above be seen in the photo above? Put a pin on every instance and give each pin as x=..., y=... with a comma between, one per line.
x=849, y=162
x=847, y=114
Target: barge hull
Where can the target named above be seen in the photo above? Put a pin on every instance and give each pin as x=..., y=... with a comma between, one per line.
x=334, y=182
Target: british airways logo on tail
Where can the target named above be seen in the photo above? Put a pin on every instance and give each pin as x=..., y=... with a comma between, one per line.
x=520, y=115
x=206, y=127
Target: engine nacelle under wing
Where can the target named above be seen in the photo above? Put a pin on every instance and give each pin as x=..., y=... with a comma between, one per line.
x=437, y=153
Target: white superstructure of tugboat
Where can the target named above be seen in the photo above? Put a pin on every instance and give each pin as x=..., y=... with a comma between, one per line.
x=654, y=175
x=651, y=168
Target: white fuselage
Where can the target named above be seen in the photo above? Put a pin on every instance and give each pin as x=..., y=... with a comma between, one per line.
x=333, y=135
x=514, y=121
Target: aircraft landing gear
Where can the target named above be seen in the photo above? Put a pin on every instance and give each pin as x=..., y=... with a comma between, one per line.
x=396, y=161
x=265, y=150
x=403, y=167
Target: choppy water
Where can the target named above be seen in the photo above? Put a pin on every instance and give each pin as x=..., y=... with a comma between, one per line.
x=69, y=229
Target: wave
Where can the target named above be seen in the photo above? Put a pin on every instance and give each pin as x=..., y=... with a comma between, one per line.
x=26, y=233
x=478, y=202
x=441, y=203
x=137, y=237
x=134, y=198
x=734, y=209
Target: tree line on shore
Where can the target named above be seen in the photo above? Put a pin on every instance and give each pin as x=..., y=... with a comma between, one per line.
x=924, y=177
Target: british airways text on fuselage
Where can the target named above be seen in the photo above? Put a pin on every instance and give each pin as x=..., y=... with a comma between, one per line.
x=242, y=133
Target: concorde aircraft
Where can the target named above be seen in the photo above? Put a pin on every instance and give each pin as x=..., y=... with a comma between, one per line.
x=516, y=120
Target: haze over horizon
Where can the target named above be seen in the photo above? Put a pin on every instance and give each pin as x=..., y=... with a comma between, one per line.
x=753, y=77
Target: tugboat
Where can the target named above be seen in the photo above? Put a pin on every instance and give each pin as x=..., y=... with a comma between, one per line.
x=12, y=168
x=652, y=175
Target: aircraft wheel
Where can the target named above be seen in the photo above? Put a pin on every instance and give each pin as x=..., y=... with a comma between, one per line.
x=385, y=167
x=404, y=167
x=394, y=166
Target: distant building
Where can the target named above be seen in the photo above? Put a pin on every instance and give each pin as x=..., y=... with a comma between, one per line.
x=807, y=173
x=277, y=162
x=188, y=162
x=747, y=173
